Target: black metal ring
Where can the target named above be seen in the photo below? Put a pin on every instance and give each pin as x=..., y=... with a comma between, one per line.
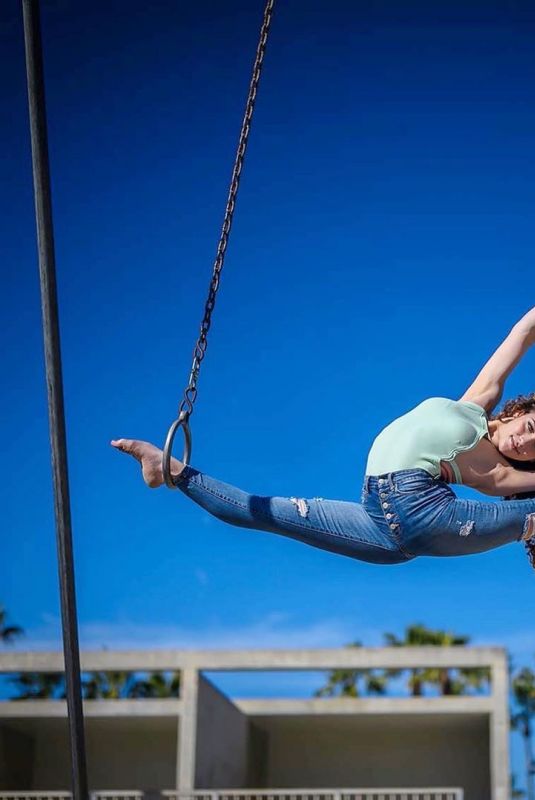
x=181, y=422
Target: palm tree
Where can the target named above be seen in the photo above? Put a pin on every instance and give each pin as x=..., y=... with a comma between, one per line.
x=523, y=685
x=158, y=684
x=414, y=636
x=8, y=633
x=39, y=686
x=353, y=682
x=449, y=682
x=113, y=685
x=125, y=685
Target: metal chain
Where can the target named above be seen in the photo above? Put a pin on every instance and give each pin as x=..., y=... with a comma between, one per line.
x=190, y=394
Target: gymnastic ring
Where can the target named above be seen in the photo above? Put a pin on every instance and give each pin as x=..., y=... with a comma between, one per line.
x=181, y=422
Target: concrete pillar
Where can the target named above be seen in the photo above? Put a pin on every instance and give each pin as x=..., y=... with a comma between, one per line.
x=187, y=730
x=499, y=729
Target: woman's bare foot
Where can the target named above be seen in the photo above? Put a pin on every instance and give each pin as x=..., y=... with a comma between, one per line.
x=150, y=458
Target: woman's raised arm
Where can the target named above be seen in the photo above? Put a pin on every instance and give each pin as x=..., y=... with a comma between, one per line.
x=487, y=388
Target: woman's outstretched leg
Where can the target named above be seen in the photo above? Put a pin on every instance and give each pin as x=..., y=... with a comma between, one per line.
x=334, y=525
x=465, y=527
x=490, y=525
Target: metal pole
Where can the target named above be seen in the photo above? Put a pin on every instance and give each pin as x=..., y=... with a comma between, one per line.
x=56, y=416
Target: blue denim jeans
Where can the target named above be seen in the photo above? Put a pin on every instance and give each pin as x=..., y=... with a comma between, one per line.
x=402, y=515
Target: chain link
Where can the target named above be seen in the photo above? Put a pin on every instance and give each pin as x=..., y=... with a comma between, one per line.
x=199, y=351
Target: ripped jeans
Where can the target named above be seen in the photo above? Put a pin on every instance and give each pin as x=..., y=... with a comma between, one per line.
x=402, y=515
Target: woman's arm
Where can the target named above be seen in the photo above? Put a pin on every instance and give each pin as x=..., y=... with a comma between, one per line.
x=487, y=388
x=484, y=469
x=507, y=481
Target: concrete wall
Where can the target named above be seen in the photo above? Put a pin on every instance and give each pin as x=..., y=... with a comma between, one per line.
x=16, y=759
x=373, y=752
x=257, y=756
x=222, y=741
x=52, y=760
x=121, y=754
x=139, y=753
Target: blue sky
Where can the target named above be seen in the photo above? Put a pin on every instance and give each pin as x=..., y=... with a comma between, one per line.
x=383, y=246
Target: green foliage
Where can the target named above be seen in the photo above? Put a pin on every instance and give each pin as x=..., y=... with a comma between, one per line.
x=158, y=685
x=523, y=685
x=358, y=683
x=448, y=681
x=123, y=685
x=103, y=685
x=8, y=633
x=353, y=682
x=108, y=685
x=39, y=686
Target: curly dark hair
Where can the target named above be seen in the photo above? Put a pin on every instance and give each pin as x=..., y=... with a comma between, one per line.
x=522, y=404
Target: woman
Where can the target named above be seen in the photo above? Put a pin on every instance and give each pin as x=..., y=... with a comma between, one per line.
x=407, y=508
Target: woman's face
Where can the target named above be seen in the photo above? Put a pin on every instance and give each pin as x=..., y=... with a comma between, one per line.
x=517, y=437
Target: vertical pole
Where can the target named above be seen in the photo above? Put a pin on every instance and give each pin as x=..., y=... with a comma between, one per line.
x=56, y=415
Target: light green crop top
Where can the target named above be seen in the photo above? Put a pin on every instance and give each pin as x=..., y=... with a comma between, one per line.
x=436, y=430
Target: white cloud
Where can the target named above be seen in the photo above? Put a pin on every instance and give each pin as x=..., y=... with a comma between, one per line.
x=272, y=630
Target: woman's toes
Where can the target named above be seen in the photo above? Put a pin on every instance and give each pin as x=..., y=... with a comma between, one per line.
x=126, y=445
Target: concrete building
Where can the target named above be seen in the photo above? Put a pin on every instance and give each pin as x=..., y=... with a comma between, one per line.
x=206, y=741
